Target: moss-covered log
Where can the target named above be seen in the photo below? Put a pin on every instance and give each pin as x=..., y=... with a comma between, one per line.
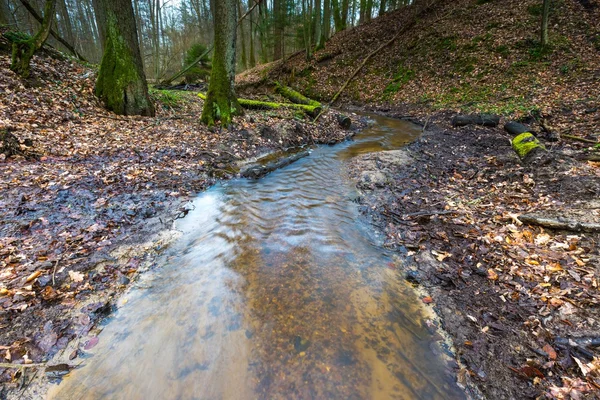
x=294, y=96
x=25, y=47
x=267, y=105
x=121, y=83
x=527, y=147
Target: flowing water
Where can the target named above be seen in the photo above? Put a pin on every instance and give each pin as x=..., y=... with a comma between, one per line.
x=275, y=290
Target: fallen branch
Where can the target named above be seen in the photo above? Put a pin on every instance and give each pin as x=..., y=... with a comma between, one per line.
x=579, y=139
x=560, y=223
x=433, y=212
x=20, y=366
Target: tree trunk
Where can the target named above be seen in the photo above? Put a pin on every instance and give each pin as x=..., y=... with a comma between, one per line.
x=121, y=83
x=221, y=102
x=39, y=19
x=363, y=11
x=252, y=37
x=345, y=8
x=326, y=21
x=243, y=37
x=382, y=4
x=545, y=15
x=369, y=10
x=278, y=29
x=23, y=50
x=65, y=20
x=5, y=13
x=318, y=36
x=337, y=16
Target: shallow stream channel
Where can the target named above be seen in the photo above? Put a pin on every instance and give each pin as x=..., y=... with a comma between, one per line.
x=276, y=289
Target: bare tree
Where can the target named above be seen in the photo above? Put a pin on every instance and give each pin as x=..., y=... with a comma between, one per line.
x=25, y=47
x=221, y=102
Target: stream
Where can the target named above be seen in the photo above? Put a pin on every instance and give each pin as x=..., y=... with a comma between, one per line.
x=276, y=289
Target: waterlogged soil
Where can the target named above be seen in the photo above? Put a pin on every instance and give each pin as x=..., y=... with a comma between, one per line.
x=521, y=302
x=275, y=289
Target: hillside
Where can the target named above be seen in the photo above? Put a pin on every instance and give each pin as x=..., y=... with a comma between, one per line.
x=465, y=55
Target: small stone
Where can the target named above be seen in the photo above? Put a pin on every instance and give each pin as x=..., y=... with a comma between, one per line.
x=413, y=277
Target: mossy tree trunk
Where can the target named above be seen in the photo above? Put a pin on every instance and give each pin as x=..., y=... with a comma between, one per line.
x=23, y=50
x=121, y=83
x=221, y=103
x=545, y=15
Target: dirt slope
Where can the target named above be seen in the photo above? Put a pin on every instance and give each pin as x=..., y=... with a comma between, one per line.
x=466, y=55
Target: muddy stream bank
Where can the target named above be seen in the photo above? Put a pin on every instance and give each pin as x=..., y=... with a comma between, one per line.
x=275, y=289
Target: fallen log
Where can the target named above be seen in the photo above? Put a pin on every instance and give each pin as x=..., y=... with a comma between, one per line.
x=267, y=105
x=560, y=223
x=294, y=96
x=515, y=128
x=527, y=147
x=488, y=120
x=344, y=121
x=257, y=171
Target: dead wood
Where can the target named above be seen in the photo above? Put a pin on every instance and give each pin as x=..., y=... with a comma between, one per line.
x=560, y=223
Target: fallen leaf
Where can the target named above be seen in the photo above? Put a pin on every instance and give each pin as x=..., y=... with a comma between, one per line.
x=76, y=276
x=550, y=351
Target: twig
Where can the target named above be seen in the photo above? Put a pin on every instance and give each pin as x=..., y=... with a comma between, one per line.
x=21, y=366
x=579, y=139
x=433, y=212
x=426, y=122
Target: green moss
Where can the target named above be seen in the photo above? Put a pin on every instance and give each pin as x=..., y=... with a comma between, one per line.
x=403, y=76
x=167, y=98
x=525, y=143
x=268, y=105
x=120, y=85
x=503, y=50
x=295, y=96
x=535, y=9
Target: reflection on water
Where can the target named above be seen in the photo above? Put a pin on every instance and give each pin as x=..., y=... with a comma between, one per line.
x=274, y=291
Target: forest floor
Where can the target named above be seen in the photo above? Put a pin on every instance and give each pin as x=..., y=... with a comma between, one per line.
x=87, y=194
x=521, y=302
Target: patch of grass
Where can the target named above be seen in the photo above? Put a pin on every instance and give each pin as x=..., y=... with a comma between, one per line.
x=596, y=41
x=492, y=25
x=539, y=52
x=447, y=43
x=167, y=98
x=400, y=78
x=503, y=50
x=465, y=65
x=535, y=9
